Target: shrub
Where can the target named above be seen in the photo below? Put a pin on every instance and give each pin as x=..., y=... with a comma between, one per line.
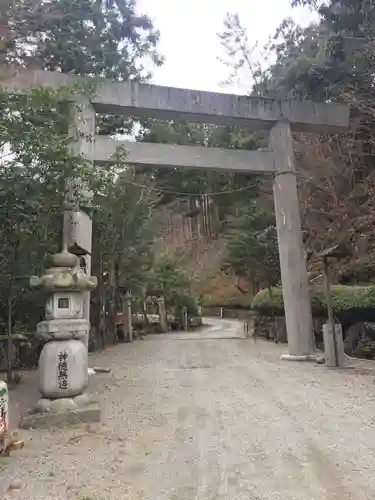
x=187, y=301
x=345, y=299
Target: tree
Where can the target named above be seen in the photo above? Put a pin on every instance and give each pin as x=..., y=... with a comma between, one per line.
x=85, y=37
x=123, y=246
x=332, y=60
x=242, y=58
x=89, y=38
x=253, y=251
x=102, y=38
x=35, y=161
x=123, y=225
x=169, y=281
x=174, y=183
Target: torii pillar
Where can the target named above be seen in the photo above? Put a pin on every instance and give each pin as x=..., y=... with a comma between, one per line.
x=297, y=302
x=77, y=228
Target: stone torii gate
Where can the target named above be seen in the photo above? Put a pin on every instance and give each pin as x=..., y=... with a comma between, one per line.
x=279, y=117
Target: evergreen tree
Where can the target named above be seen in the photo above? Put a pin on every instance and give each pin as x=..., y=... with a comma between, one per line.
x=253, y=251
x=83, y=37
x=87, y=38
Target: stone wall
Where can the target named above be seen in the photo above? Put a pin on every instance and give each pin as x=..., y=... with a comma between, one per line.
x=275, y=328
x=270, y=328
x=267, y=327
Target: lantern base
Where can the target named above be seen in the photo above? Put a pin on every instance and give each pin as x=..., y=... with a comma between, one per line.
x=62, y=412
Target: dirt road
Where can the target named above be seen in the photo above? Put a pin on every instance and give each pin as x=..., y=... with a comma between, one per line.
x=214, y=419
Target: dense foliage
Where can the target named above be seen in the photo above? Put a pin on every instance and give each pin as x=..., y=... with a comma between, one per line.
x=35, y=163
x=253, y=250
x=331, y=60
x=345, y=299
x=198, y=183
x=85, y=38
x=172, y=283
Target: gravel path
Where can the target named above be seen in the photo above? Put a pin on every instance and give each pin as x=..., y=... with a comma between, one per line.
x=208, y=419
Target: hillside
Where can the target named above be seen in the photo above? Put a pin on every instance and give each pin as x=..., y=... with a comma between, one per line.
x=202, y=258
x=335, y=208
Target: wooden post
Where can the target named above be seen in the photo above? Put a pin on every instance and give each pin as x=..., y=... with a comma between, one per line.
x=331, y=318
x=127, y=317
x=162, y=315
x=184, y=318
x=296, y=291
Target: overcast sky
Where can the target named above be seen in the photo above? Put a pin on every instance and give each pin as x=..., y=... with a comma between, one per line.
x=189, y=41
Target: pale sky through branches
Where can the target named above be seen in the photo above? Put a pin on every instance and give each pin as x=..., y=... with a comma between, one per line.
x=189, y=39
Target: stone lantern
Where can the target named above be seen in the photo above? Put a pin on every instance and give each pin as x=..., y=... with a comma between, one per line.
x=63, y=363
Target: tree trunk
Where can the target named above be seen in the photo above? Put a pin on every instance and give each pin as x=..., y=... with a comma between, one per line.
x=112, y=305
x=9, y=342
x=144, y=312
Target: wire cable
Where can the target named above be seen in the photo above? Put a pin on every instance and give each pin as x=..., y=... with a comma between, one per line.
x=180, y=193
x=59, y=209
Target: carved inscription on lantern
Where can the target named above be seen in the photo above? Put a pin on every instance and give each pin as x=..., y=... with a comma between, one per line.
x=62, y=370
